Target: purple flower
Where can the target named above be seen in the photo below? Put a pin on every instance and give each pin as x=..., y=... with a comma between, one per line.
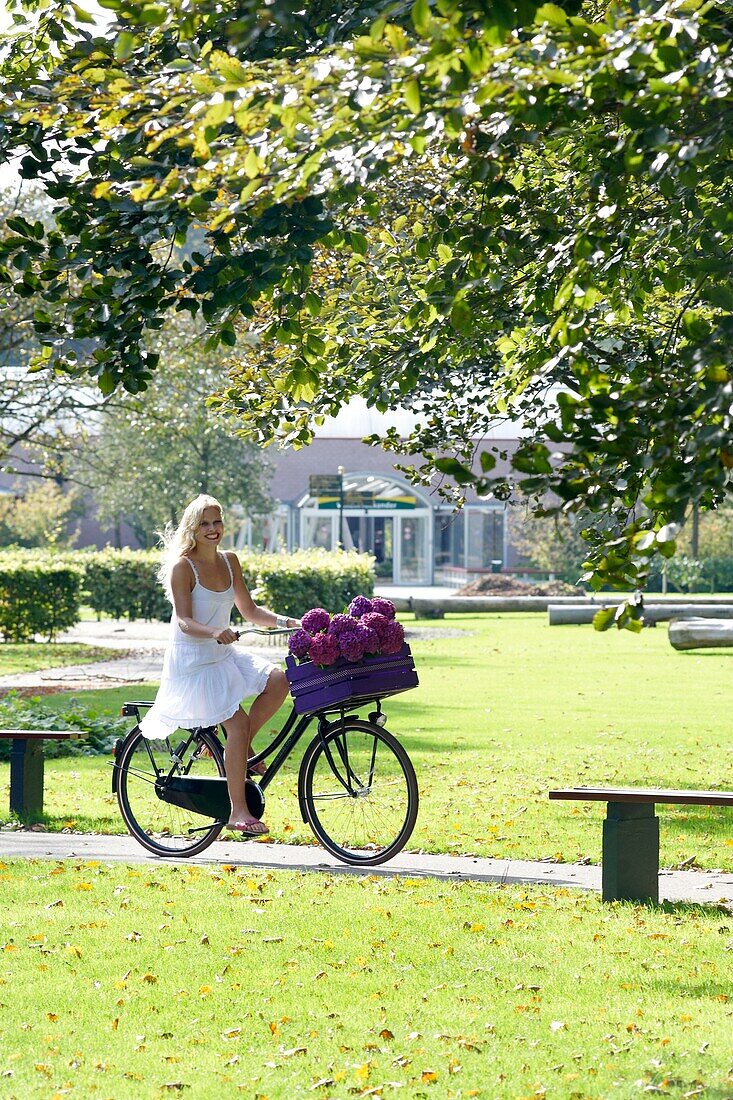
x=299, y=644
x=351, y=646
x=342, y=624
x=377, y=623
x=383, y=607
x=324, y=649
x=393, y=638
x=316, y=620
x=368, y=638
x=359, y=606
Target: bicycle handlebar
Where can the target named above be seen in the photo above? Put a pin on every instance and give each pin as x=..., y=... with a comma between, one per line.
x=269, y=633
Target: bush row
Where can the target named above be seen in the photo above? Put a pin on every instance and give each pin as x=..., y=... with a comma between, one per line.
x=102, y=729
x=42, y=594
x=37, y=597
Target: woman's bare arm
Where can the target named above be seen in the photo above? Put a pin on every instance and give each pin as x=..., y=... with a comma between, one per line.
x=249, y=610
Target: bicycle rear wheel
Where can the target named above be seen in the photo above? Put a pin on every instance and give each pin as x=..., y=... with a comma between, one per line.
x=163, y=828
x=359, y=791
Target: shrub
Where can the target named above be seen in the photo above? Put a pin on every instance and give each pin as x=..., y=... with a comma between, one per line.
x=123, y=584
x=103, y=729
x=39, y=594
x=717, y=573
x=291, y=583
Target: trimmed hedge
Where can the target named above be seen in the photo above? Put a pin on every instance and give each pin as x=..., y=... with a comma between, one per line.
x=122, y=583
x=290, y=584
x=39, y=594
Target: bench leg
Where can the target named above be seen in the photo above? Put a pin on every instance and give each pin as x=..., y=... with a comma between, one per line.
x=631, y=852
x=26, y=777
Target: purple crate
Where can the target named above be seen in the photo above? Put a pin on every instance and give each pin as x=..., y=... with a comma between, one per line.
x=314, y=688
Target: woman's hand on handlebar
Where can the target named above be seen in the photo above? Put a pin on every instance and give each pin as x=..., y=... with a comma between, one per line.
x=226, y=636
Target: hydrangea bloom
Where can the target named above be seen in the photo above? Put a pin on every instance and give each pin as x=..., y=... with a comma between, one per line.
x=324, y=649
x=360, y=605
x=351, y=646
x=342, y=624
x=383, y=607
x=299, y=644
x=316, y=620
x=377, y=623
x=368, y=637
x=393, y=638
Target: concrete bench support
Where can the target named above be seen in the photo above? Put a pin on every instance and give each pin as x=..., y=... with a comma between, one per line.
x=630, y=869
x=26, y=766
x=26, y=777
x=630, y=852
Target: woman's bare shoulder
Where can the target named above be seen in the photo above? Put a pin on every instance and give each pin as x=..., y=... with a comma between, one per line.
x=233, y=560
x=182, y=568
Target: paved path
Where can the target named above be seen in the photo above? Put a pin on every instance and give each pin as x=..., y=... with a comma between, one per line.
x=701, y=887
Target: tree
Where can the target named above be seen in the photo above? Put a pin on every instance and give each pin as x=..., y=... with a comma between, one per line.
x=41, y=517
x=146, y=457
x=568, y=260
x=550, y=543
x=36, y=409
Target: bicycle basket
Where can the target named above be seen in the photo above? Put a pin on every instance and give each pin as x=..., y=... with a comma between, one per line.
x=314, y=688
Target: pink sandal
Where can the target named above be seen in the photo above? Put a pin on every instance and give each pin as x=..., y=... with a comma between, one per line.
x=253, y=827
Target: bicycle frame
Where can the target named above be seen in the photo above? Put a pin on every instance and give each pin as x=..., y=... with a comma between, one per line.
x=209, y=796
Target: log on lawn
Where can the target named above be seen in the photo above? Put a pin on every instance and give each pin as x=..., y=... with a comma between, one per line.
x=701, y=633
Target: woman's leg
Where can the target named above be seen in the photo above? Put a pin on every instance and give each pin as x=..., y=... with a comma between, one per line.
x=236, y=753
x=270, y=701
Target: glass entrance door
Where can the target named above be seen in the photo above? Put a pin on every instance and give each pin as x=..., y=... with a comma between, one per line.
x=373, y=535
x=413, y=561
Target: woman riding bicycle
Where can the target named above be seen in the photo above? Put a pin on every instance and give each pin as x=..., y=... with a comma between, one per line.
x=204, y=678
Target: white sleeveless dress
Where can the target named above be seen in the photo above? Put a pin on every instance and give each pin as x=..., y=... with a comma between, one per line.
x=203, y=682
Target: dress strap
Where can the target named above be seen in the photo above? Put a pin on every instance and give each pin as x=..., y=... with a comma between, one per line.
x=195, y=571
x=229, y=567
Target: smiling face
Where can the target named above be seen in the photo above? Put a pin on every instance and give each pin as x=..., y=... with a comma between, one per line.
x=211, y=528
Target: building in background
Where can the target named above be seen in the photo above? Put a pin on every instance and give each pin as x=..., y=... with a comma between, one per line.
x=341, y=492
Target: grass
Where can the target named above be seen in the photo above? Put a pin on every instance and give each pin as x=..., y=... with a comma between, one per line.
x=507, y=708
x=18, y=657
x=167, y=980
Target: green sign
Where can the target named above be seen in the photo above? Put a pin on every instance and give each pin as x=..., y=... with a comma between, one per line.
x=366, y=501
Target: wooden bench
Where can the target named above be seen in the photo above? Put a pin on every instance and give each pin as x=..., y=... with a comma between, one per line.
x=26, y=766
x=630, y=861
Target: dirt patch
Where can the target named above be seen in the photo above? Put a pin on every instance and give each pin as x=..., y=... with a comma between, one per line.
x=498, y=584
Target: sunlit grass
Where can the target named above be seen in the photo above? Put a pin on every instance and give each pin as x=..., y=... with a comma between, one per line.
x=507, y=708
x=18, y=657
x=124, y=982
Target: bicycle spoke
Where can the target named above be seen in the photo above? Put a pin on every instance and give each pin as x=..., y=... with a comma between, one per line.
x=159, y=825
x=361, y=821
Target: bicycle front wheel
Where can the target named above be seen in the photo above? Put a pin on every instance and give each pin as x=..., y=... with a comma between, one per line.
x=160, y=826
x=359, y=791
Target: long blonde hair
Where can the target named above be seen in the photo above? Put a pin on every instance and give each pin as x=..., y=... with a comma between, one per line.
x=179, y=541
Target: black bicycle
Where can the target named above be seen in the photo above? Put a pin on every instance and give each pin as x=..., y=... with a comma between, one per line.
x=356, y=784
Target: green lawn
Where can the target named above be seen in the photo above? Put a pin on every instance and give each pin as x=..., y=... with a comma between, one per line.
x=507, y=708
x=147, y=982
x=33, y=656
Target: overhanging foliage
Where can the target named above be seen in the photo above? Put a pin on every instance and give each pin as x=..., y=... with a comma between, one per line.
x=510, y=212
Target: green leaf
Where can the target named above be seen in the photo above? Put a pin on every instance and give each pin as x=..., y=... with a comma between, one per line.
x=359, y=243
x=461, y=316
x=124, y=45
x=455, y=469
x=420, y=16
x=411, y=92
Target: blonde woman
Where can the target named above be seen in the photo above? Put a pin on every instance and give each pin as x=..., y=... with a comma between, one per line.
x=204, y=676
